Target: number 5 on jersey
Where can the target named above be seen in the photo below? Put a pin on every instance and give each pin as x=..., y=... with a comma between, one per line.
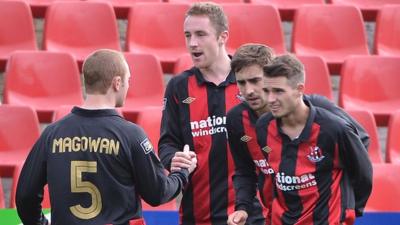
x=80, y=186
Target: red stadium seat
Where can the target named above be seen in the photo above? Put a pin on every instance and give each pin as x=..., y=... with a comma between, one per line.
x=332, y=32
x=121, y=7
x=80, y=27
x=150, y=121
x=147, y=84
x=254, y=23
x=367, y=120
x=318, y=80
x=387, y=39
x=385, y=194
x=184, y=62
x=19, y=131
x=164, y=37
x=216, y=1
x=371, y=82
x=393, y=139
x=17, y=31
x=43, y=80
x=287, y=8
x=369, y=8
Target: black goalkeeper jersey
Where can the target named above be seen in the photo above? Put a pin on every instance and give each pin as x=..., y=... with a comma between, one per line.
x=195, y=114
x=98, y=166
x=322, y=177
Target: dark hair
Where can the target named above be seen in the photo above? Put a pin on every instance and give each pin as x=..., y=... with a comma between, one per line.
x=100, y=68
x=287, y=66
x=250, y=54
x=213, y=11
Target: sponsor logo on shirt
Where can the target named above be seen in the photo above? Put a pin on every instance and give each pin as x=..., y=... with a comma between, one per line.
x=263, y=165
x=245, y=138
x=146, y=146
x=266, y=149
x=211, y=125
x=189, y=100
x=293, y=183
x=315, y=154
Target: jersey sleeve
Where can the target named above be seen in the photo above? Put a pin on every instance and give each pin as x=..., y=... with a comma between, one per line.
x=245, y=177
x=29, y=194
x=171, y=135
x=358, y=167
x=153, y=185
x=323, y=102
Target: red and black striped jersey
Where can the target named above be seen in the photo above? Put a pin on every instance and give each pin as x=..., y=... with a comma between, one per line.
x=322, y=177
x=195, y=114
x=98, y=167
x=241, y=122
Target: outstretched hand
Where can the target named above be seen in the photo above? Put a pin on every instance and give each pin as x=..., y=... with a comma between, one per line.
x=184, y=160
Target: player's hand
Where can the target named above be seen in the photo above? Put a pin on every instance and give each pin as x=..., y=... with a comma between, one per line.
x=237, y=218
x=184, y=160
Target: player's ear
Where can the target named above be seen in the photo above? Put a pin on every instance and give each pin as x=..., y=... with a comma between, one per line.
x=223, y=37
x=116, y=83
x=301, y=88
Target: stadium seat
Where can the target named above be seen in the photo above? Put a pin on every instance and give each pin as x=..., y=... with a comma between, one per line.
x=332, y=32
x=371, y=82
x=287, y=8
x=367, y=120
x=17, y=31
x=318, y=80
x=80, y=27
x=19, y=131
x=256, y=24
x=216, y=1
x=43, y=80
x=184, y=62
x=369, y=8
x=385, y=194
x=150, y=121
x=393, y=139
x=147, y=84
x=121, y=7
x=164, y=37
x=387, y=39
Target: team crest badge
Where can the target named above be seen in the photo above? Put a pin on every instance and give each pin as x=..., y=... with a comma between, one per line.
x=266, y=149
x=189, y=100
x=245, y=138
x=146, y=146
x=315, y=154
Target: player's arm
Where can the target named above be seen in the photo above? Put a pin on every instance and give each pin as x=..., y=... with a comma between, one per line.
x=31, y=181
x=171, y=137
x=153, y=185
x=358, y=166
x=323, y=102
x=245, y=177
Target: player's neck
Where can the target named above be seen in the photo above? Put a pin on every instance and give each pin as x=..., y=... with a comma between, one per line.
x=293, y=124
x=218, y=71
x=98, y=101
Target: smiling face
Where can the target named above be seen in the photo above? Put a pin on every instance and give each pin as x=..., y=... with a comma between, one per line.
x=282, y=97
x=202, y=40
x=250, y=82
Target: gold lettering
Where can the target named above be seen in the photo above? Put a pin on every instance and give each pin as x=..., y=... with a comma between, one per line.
x=114, y=147
x=105, y=145
x=84, y=143
x=67, y=144
x=76, y=144
x=94, y=144
x=57, y=143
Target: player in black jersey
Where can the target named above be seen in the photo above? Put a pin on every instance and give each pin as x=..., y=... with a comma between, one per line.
x=322, y=173
x=247, y=63
x=196, y=103
x=97, y=165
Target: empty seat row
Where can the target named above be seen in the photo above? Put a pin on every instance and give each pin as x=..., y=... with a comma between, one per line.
x=286, y=8
x=46, y=80
x=79, y=27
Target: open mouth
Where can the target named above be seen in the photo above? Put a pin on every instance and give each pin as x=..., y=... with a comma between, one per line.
x=197, y=54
